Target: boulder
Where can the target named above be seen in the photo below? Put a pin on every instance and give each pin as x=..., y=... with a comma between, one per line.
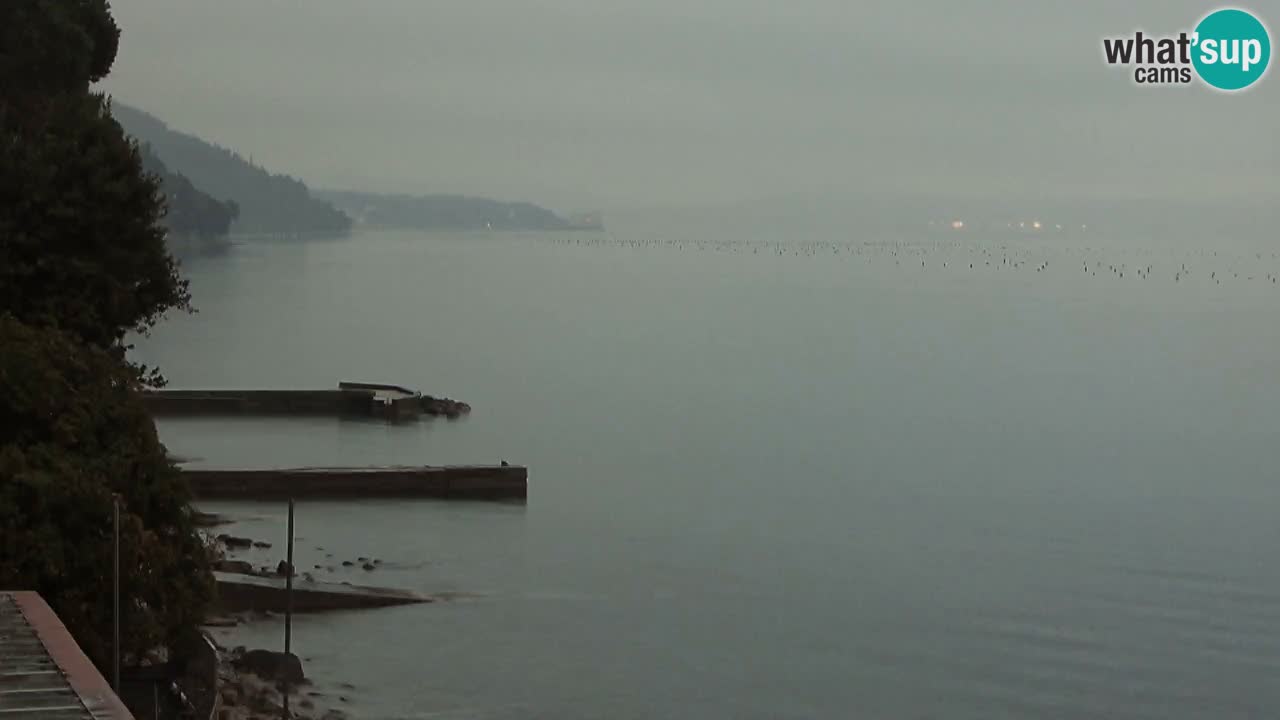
x=271, y=665
x=232, y=541
x=234, y=566
x=206, y=520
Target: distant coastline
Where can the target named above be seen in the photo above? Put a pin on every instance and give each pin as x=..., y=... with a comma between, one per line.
x=255, y=199
x=214, y=192
x=452, y=212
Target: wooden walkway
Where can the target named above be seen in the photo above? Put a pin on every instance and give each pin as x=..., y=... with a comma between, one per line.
x=43, y=673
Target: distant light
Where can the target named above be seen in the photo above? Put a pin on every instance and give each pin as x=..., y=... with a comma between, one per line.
x=957, y=224
x=1036, y=224
x=1022, y=224
x=1058, y=226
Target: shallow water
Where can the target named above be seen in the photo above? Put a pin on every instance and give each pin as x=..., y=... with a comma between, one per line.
x=770, y=480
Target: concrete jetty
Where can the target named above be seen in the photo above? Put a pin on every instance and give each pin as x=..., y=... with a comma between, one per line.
x=482, y=482
x=239, y=593
x=349, y=398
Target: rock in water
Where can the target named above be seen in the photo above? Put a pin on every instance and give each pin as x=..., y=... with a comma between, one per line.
x=271, y=665
x=234, y=566
x=204, y=519
x=232, y=541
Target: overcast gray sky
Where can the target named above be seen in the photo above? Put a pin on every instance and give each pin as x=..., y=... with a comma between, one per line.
x=598, y=103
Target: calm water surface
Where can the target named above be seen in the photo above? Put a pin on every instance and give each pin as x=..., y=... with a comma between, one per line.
x=825, y=478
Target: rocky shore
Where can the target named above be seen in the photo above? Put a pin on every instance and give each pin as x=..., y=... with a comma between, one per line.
x=443, y=406
x=232, y=543
x=251, y=682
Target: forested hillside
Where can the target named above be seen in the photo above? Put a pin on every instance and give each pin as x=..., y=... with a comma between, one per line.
x=190, y=211
x=444, y=212
x=267, y=202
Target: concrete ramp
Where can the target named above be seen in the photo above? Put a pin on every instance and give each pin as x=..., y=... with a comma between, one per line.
x=239, y=593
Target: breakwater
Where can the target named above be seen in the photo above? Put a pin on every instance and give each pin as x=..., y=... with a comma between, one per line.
x=349, y=398
x=482, y=482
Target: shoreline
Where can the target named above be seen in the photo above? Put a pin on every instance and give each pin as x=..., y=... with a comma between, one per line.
x=243, y=694
x=250, y=682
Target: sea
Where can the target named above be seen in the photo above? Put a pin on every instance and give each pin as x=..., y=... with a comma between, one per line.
x=951, y=474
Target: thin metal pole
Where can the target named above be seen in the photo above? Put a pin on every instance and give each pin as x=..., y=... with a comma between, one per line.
x=115, y=595
x=288, y=607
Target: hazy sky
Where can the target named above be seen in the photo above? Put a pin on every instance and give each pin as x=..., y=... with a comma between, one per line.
x=591, y=103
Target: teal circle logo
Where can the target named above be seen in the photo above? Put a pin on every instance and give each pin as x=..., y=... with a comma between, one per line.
x=1231, y=49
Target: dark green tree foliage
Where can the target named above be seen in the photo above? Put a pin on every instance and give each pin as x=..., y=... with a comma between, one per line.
x=52, y=46
x=189, y=211
x=81, y=245
x=82, y=263
x=73, y=431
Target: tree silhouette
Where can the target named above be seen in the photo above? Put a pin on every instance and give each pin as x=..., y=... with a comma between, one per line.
x=83, y=263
